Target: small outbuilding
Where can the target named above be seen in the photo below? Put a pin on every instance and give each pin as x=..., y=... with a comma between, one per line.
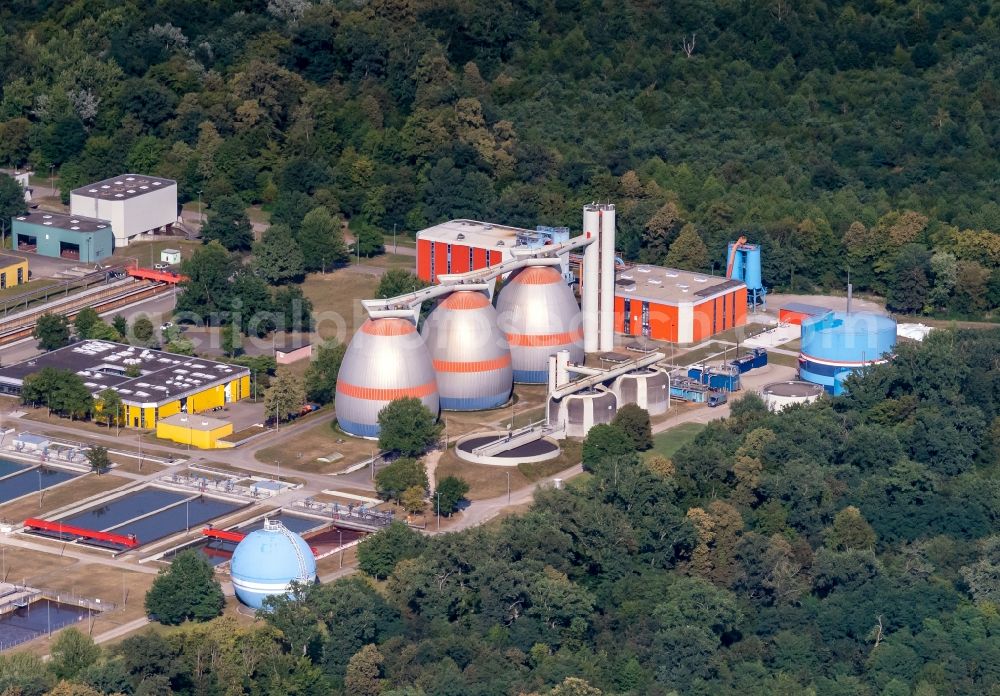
x=13, y=271
x=195, y=430
x=171, y=256
x=295, y=348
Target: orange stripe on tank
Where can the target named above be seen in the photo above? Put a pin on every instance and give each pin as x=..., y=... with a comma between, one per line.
x=466, y=299
x=390, y=326
x=537, y=275
x=543, y=340
x=377, y=394
x=472, y=366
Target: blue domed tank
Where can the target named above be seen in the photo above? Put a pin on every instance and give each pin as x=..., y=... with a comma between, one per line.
x=267, y=560
x=835, y=344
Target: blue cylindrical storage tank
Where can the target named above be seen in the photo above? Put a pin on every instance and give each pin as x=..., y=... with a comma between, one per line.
x=739, y=269
x=835, y=344
x=751, y=272
x=267, y=561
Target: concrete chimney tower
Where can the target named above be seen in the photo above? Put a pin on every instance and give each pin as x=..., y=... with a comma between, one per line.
x=607, y=315
x=590, y=307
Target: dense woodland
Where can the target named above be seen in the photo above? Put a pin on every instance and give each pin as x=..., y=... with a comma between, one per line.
x=840, y=135
x=846, y=548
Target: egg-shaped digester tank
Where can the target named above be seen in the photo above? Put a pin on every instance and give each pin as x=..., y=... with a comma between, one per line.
x=386, y=360
x=267, y=560
x=835, y=344
x=469, y=352
x=539, y=315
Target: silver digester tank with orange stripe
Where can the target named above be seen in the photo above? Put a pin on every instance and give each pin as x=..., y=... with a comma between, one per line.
x=539, y=315
x=470, y=353
x=386, y=360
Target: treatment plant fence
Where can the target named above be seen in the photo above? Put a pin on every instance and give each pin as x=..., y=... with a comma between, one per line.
x=14, y=631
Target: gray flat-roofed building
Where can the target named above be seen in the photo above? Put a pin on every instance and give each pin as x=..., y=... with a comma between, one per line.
x=63, y=236
x=135, y=204
x=153, y=384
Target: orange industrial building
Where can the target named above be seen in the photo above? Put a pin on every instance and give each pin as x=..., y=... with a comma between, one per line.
x=460, y=246
x=663, y=304
x=667, y=304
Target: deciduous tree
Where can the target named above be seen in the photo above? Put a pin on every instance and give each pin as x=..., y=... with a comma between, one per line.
x=321, y=377
x=407, y=427
x=633, y=421
x=228, y=224
x=402, y=474
x=321, y=239
x=285, y=397
x=52, y=331
x=450, y=492
x=277, y=256
x=379, y=553
x=688, y=251
x=185, y=590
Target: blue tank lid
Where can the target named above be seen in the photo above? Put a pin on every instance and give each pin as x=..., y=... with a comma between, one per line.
x=273, y=554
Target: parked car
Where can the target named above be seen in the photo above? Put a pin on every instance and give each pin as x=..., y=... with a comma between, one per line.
x=717, y=399
x=161, y=266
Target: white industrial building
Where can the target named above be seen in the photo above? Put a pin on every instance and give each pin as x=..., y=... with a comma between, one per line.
x=22, y=178
x=135, y=204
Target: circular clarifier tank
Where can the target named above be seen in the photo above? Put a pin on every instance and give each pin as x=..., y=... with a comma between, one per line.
x=267, y=561
x=499, y=453
x=471, y=358
x=386, y=360
x=539, y=315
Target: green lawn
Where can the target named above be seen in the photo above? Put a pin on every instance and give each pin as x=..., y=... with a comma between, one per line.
x=669, y=441
x=148, y=252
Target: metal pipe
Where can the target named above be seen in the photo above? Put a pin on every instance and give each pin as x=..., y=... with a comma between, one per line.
x=594, y=380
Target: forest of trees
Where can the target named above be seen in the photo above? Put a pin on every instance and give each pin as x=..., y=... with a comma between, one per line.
x=840, y=135
x=845, y=548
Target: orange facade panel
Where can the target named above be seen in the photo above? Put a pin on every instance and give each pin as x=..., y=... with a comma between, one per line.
x=460, y=259
x=480, y=258
x=424, y=260
x=663, y=322
x=440, y=259
x=741, y=306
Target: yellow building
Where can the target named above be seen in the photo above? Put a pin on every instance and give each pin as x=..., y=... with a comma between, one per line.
x=202, y=432
x=13, y=271
x=152, y=384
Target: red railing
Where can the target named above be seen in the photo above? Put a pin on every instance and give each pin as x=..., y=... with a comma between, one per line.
x=127, y=540
x=223, y=534
x=168, y=277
